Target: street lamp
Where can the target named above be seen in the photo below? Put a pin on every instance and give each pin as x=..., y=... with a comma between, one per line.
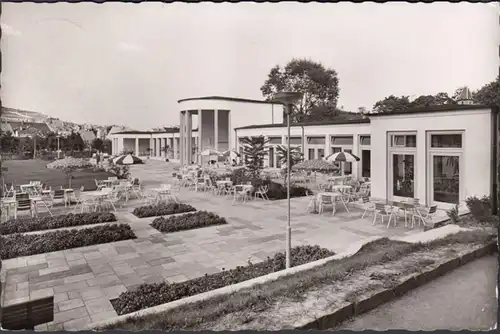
x=288, y=99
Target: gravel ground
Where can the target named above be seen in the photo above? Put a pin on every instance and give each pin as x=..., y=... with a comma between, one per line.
x=463, y=299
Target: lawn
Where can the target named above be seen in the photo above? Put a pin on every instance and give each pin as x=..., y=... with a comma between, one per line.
x=23, y=171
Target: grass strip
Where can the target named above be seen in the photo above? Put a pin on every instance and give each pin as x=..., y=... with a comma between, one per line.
x=261, y=297
x=49, y=223
x=16, y=245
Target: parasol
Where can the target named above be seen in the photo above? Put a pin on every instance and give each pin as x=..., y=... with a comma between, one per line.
x=127, y=159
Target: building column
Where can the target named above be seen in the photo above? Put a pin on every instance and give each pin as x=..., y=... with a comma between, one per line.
x=137, y=146
x=216, y=129
x=174, y=145
x=328, y=145
x=200, y=136
x=181, y=139
x=189, y=136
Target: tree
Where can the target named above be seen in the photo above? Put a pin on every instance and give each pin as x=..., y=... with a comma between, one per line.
x=97, y=144
x=401, y=104
x=295, y=157
x=489, y=94
x=106, y=146
x=8, y=142
x=319, y=85
x=255, y=149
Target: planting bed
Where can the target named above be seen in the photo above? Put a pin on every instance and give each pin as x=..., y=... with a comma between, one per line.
x=188, y=221
x=297, y=300
x=17, y=245
x=48, y=223
x=162, y=209
x=148, y=295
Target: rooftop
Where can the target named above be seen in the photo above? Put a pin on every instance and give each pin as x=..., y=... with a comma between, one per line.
x=226, y=98
x=434, y=109
x=148, y=132
x=330, y=122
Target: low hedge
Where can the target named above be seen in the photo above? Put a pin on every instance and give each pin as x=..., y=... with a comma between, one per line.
x=48, y=223
x=162, y=209
x=149, y=295
x=17, y=245
x=187, y=222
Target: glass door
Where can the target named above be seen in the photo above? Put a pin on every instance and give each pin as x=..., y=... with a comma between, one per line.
x=445, y=178
x=271, y=157
x=311, y=153
x=402, y=176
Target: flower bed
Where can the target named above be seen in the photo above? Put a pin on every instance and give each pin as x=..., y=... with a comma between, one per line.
x=187, y=222
x=47, y=223
x=148, y=295
x=17, y=245
x=162, y=209
x=339, y=281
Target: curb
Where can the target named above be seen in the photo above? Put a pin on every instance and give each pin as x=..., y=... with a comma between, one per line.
x=367, y=304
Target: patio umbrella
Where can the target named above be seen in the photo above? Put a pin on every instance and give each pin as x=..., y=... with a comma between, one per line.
x=231, y=154
x=342, y=157
x=127, y=159
x=315, y=165
x=210, y=152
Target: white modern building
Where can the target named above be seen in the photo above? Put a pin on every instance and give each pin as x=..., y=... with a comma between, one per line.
x=441, y=155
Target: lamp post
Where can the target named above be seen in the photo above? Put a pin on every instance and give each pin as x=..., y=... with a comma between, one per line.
x=288, y=99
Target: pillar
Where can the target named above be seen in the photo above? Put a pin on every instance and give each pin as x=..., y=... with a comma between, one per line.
x=137, y=146
x=189, y=137
x=200, y=136
x=174, y=145
x=181, y=139
x=216, y=129
x=328, y=145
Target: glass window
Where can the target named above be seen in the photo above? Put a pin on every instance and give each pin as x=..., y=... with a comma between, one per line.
x=411, y=141
x=365, y=140
x=365, y=163
x=321, y=153
x=344, y=140
x=404, y=141
x=311, y=154
x=446, y=141
x=295, y=140
x=403, y=180
x=316, y=140
x=445, y=178
x=398, y=140
x=275, y=140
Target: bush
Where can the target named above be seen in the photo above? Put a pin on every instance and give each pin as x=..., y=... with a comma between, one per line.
x=162, y=209
x=187, y=222
x=47, y=223
x=277, y=191
x=148, y=295
x=480, y=208
x=16, y=245
x=122, y=172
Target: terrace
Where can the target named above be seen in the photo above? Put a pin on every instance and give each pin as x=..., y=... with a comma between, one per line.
x=84, y=280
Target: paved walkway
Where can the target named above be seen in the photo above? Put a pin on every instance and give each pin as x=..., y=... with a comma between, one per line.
x=460, y=300
x=84, y=280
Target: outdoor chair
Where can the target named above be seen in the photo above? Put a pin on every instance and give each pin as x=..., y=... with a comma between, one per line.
x=112, y=178
x=99, y=184
x=311, y=205
x=382, y=212
x=24, y=204
x=174, y=193
x=210, y=187
x=58, y=195
x=240, y=193
x=8, y=190
x=362, y=192
x=199, y=185
x=325, y=200
x=426, y=217
x=149, y=198
x=262, y=192
x=367, y=205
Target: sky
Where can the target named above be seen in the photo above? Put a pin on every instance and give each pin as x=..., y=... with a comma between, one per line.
x=119, y=63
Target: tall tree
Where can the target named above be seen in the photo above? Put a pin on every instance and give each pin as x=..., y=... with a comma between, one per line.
x=295, y=157
x=255, y=149
x=319, y=85
x=392, y=104
x=97, y=144
x=489, y=94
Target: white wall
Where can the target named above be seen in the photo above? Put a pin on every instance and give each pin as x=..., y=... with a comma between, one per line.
x=476, y=143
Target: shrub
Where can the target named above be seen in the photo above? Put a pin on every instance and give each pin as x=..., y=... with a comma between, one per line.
x=453, y=214
x=277, y=191
x=122, y=172
x=187, y=222
x=16, y=245
x=148, y=295
x=162, y=209
x=480, y=208
x=47, y=223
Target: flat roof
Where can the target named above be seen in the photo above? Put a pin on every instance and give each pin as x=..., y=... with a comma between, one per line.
x=331, y=122
x=147, y=132
x=226, y=98
x=434, y=109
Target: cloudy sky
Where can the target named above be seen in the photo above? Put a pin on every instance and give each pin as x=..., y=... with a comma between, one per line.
x=129, y=63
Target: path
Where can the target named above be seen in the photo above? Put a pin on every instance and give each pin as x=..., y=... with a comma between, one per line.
x=462, y=299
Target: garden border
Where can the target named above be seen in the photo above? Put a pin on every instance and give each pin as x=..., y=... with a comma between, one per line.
x=344, y=312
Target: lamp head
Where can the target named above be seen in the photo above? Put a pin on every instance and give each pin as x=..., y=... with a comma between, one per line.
x=286, y=97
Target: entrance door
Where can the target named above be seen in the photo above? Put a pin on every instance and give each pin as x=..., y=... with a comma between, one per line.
x=445, y=178
x=310, y=154
x=271, y=157
x=402, y=176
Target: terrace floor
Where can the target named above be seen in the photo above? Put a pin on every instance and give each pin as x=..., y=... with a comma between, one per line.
x=84, y=280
